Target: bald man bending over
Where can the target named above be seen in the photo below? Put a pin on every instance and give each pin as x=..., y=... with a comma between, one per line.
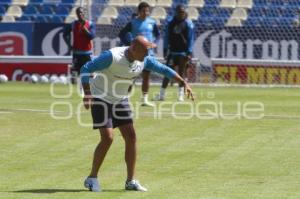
x=107, y=96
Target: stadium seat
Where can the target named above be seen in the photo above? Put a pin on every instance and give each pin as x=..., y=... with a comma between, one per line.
x=73, y=12
x=25, y=18
x=223, y=12
x=176, y=2
x=196, y=3
x=5, y=2
x=244, y=4
x=234, y=22
x=56, y=19
x=126, y=11
x=36, y=1
x=20, y=2
x=30, y=10
x=228, y=4
x=269, y=22
x=120, y=21
x=278, y=3
x=212, y=2
x=261, y=3
x=215, y=22
x=104, y=20
x=152, y=3
x=78, y=3
x=40, y=19
x=273, y=12
x=14, y=10
x=253, y=22
x=218, y=22
x=239, y=13
x=164, y=3
x=62, y=10
x=116, y=3
x=132, y=2
x=2, y=10
x=158, y=13
x=55, y=2
x=70, y=19
x=68, y=1
x=257, y=11
x=193, y=13
x=46, y=9
x=209, y=11
x=110, y=11
x=8, y=19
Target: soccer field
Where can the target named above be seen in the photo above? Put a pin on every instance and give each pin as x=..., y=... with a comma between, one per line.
x=182, y=154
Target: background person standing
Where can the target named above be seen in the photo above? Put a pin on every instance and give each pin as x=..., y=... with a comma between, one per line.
x=83, y=33
x=147, y=27
x=178, y=46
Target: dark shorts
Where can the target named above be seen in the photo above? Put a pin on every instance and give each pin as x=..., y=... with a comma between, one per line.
x=176, y=59
x=79, y=61
x=106, y=115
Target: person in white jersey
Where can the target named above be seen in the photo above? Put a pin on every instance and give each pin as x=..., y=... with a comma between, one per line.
x=106, y=93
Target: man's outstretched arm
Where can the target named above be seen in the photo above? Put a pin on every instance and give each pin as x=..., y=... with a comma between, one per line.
x=152, y=64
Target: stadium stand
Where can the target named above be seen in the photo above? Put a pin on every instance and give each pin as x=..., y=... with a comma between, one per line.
x=228, y=4
x=14, y=11
x=158, y=13
x=206, y=13
x=239, y=13
x=20, y=2
x=131, y=2
x=164, y=3
x=234, y=22
x=152, y=3
x=244, y=4
x=110, y=12
x=104, y=20
x=7, y=19
x=116, y=3
x=193, y=13
x=196, y=3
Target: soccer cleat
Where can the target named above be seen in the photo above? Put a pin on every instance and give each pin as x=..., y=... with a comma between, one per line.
x=92, y=184
x=180, y=98
x=147, y=104
x=134, y=185
x=159, y=98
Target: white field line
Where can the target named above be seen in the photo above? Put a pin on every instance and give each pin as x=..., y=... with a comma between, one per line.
x=154, y=114
x=5, y=112
x=273, y=116
x=230, y=85
x=29, y=110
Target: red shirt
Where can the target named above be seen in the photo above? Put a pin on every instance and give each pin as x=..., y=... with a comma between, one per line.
x=82, y=41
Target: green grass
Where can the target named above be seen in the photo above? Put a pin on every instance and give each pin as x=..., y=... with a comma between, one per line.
x=41, y=157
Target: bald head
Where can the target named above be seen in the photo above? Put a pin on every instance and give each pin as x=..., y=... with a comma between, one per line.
x=143, y=43
x=139, y=48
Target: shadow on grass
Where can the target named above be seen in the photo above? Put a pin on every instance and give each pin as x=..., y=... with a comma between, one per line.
x=47, y=191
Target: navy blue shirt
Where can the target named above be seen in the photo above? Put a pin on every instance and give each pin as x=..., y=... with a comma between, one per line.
x=179, y=36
